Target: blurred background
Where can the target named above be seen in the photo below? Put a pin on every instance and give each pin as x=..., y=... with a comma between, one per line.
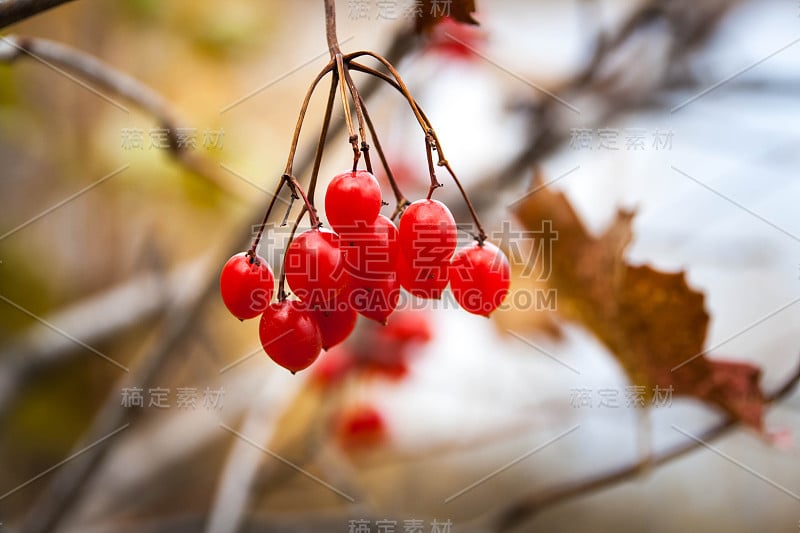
x=130, y=400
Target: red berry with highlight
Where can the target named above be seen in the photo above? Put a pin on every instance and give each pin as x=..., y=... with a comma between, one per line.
x=290, y=335
x=246, y=284
x=427, y=234
x=480, y=278
x=314, y=266
x=352, y=198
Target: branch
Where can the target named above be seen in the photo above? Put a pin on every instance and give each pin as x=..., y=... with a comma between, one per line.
x=233, y=495
x=118, y=490
x=92, y=320
x=68, y=61
x=64, y=490
x=528, y=506
x=602, y=79
x=13, y=11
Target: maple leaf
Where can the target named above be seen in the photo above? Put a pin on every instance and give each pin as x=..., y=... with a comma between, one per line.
x=435, y=11
x=653, y=323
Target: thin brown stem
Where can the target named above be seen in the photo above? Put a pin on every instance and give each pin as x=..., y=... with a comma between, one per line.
x=348, y=119
x=426, y=125
x=303, y=109
x=429, y=147
x=401, y=86
x=252, y=251
x=359, y=115
x=323, y=135
x=330, y=28
x=282, y=277
x=312, y=215
x=312, y=212
x=481, y=237
x=341, y=70
x=292, y=197
x=430, y=132
x=400, y=199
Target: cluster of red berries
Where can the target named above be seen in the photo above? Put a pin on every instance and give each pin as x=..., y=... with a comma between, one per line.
x=359, y=268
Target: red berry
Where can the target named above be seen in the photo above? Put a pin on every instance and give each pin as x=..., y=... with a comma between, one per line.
x=465, y=39
x=423, y=282
x=480, y=277
x=336, y=322
x=246, y=284
x=333, y=366
x=392, y=370
x=361, y=426
x=427, y=234
x=315, y=267
x=352, y=197
x=375, y=298
x=409, y=326
x=371, y=249
x=290, y=335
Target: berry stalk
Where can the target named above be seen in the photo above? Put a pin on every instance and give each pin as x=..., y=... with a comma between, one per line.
x=323, y=135
x=427, y=127
x=400, y=199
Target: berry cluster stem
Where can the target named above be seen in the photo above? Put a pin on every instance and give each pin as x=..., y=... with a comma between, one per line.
x=252, y=251
x=429, y=148
x=400, y=200
x=348, y=118
x=312, y=211
x=282, y=279
x=301, y=118
x=339, y=67
x=395, y=81
x=323, y=136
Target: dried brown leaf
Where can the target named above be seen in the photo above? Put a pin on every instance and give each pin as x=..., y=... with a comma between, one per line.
x=652, y=321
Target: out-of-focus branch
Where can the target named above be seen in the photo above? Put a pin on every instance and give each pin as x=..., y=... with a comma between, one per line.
x=620, y=76
x=234, y=490
x=92, y=320
x=528, y=506
x=101, y=78
x=13, y=11
x=59, y=496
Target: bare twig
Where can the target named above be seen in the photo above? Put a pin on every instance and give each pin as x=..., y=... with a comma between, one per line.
x=13, y=11
x=103, y=78
x=92, y=320
x=234, y=490
x=688, y=29
x=117, y=489
x=528, y=506
x=59, y=496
